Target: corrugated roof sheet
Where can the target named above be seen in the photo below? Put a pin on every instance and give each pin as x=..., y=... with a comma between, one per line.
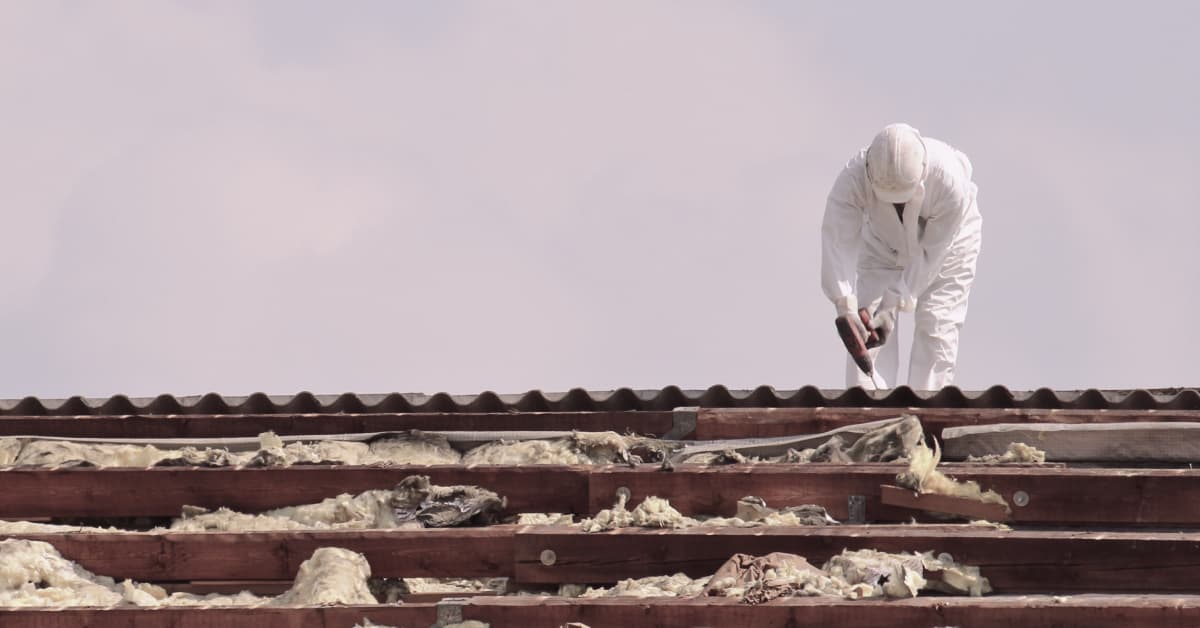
x=623, y=399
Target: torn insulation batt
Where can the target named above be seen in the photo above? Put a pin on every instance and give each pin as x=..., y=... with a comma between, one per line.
x=33, y=573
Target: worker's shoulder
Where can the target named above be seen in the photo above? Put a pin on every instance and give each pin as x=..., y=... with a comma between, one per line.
x=945, y=160
x=940, y=149
x=858, y=161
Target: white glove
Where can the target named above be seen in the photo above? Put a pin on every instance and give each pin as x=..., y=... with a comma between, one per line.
x=847, y=307
x=883, y=323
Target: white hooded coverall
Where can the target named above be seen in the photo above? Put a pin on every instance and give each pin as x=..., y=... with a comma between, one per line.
x=925, y=264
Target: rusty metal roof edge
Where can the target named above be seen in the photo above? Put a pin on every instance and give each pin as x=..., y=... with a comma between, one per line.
x=620, y=399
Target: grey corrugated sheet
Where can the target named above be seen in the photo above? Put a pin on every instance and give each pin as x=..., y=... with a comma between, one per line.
x=623, y=399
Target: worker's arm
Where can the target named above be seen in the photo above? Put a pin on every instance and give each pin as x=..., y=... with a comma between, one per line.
x=841, y=235
x=950, y=195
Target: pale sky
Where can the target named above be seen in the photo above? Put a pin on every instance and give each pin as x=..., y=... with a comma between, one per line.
x=465, y=196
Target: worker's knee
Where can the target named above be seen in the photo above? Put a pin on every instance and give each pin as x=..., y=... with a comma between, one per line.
x=938, y=322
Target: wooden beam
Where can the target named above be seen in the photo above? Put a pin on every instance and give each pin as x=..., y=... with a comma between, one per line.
x=932, y=502
x=1033, y=611
x=720, y=423
x=1042, y=611
x=1058, y=495
x=164, y=491
x=192, y=617
x=232, y=425
x=1177, y=442
x=1013, y=561
x=229, y=587
x=177, y=556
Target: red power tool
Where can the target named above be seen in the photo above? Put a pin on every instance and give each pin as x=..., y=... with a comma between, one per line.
x=856, y=344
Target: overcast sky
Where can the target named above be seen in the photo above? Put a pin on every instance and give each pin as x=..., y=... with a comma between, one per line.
x=464, y=196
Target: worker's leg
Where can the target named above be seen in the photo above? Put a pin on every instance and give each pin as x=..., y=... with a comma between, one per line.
x=873, y=279
x=941, y=311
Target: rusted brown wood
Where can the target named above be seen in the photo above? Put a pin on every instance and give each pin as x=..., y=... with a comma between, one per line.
x=230, y=425
x=229, y=587
x=424, y=598
x=1013, y=561
x=1057, y=495
x=175, y=556
x=164, y=491
x=1164, y=611
x=930, y=502
x=1177, y=442
x=1034, y=611
x=719, y=423
x=191, y=617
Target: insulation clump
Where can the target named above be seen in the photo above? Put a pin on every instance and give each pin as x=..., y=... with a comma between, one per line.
x=370, y=509
x=753, y=511
x=851, y=575
x=391, y=591
x=415, y=500
x=948, y=576
x=413, y=503
x=922, y=476
x=578, y=448
x=677, y=585
x=1017, y=453
x=544, y=519
x=653, y=512
x=17, y=528
x=10, y=448
x=757, y=579
x=410, y=448
x=888, y=442
x=717, y=458
x=331, y=576
x=610, y=519
x=33, y=573
x=878, y=574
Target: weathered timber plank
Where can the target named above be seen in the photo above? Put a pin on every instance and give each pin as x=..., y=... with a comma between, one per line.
x=1165, y=611
x=1057, y=495
x=172, y=556
x=1177, y=442
x=1096, y=611
x=228, y=587
x=164, y=491
x=932, y=502
x=229, y=425
x=1014, y=561
x=718, y=423
x=411, y=615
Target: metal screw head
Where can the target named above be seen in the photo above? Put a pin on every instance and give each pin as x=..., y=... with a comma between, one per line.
x=548, y=557
x=856, y=506
x=1021, y=498
x=449, y=610
x=624, y=491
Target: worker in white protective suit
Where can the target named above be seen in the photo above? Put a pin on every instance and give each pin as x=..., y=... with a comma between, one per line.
x=902, y=232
